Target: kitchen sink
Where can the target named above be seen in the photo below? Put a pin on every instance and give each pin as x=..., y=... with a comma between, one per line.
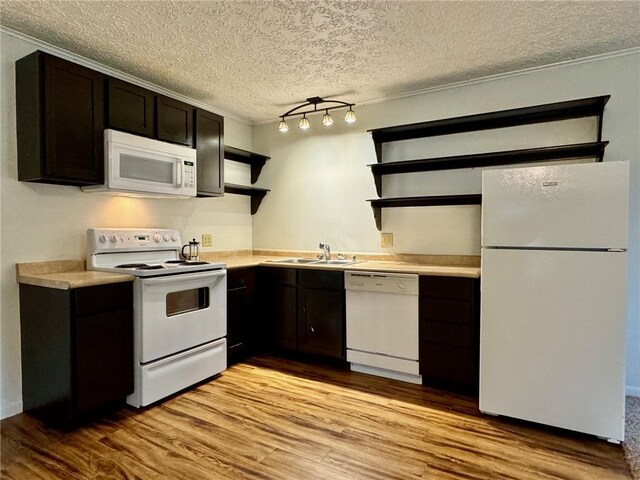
x=338, y=262
x=313, y=261
x=297, y=261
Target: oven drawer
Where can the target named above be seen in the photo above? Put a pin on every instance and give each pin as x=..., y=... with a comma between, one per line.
x=170, y=375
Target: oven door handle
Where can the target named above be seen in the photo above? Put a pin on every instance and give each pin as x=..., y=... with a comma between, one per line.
x=184, y=276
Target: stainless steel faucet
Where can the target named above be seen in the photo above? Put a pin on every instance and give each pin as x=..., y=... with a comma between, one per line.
x=326, y=250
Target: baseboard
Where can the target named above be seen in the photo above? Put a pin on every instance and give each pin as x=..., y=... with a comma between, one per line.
x=633, y=391
x=11, y=409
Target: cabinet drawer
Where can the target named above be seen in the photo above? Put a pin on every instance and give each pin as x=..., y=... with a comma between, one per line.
x=241, y=277
x=446, y=311
x=446, y=334
x=321, y=279
x=454, y=288
x=102, y=298
x=283, y=276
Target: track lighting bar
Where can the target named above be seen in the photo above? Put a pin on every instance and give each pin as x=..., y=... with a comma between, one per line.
x=327, y=119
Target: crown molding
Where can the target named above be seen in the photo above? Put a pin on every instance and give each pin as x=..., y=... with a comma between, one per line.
x=86, y=62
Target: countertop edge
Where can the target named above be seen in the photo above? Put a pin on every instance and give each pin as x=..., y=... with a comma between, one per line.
x=71, y=280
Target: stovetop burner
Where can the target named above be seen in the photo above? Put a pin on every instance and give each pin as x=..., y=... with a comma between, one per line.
x=185, y=262
x=150, y=267
x=132, y=265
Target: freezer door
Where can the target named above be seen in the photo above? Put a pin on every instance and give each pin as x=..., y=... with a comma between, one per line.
x=552, y=338
x=563, y=206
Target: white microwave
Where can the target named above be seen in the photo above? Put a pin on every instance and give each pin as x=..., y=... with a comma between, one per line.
x=142, y=167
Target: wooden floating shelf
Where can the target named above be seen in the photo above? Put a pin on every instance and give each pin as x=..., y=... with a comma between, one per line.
x=507, y=157
x=431, y=201
x=255, y=160
x=256, y=194
x=585, y=107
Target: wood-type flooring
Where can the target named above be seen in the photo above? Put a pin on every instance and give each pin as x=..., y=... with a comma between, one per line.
x=278, y=419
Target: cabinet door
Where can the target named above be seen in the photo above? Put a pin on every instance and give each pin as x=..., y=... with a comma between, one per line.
x=174, y=121
x=103, y=359
x=130, y=108
x=321, y=322
x=210, y=150
x=277, y=315
x=237, y=322
x=449, y=332
x=74, y=121
x=60, y=121
x=282, y=306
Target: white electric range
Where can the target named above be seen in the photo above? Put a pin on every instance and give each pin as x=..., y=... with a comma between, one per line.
x=180, y=308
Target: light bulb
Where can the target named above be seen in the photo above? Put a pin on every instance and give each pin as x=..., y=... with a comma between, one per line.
x=350, y=116
x=327, y=120
x=283, y=127
x=304, y=123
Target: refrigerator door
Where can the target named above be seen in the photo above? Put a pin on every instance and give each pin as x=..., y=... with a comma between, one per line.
x=562, y=206
x=552, y=338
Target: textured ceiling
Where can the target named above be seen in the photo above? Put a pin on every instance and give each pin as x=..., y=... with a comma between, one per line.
x=257, y=59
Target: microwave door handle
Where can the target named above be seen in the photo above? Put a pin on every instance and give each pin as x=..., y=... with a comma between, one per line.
x=178, y=172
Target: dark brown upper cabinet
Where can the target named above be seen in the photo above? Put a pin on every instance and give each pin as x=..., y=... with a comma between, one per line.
x=60, y=121
x=130, y=108
x=174, y=121
x=209, y=143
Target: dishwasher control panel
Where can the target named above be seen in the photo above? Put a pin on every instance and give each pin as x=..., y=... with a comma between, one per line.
x=399, y=283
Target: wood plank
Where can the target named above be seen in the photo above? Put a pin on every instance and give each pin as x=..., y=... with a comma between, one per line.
x=277, y=419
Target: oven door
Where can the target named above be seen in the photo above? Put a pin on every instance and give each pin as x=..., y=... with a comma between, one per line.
x=177, y=312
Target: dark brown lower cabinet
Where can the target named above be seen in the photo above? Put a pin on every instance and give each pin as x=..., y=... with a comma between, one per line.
x=450, y=332
x=279, y=307
x=304, y=310
x=240, y=293
x=77, y=350
x=321, y=313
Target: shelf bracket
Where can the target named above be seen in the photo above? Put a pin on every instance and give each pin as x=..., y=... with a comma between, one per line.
x=377, y=178
x=255, y=204
x=377, y=214
x=256, y=168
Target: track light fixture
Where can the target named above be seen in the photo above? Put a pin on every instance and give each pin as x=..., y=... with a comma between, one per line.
x=327, y=119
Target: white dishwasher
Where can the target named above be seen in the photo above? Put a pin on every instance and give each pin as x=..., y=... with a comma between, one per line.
x=382, y=324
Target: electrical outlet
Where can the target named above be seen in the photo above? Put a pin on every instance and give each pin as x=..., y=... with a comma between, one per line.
x=386, y=239
x=207, y=240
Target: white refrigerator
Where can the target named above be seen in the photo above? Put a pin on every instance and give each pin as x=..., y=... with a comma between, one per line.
x=553, y=295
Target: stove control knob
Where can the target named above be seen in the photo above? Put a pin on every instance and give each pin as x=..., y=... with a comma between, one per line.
x=102, y=238
x=113, y=238
x=174, y=237
x=157, y=238
x=166, y=238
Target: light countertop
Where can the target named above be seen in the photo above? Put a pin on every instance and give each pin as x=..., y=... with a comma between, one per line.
x=68, y=274
x=65, y=275
x=364, y=265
